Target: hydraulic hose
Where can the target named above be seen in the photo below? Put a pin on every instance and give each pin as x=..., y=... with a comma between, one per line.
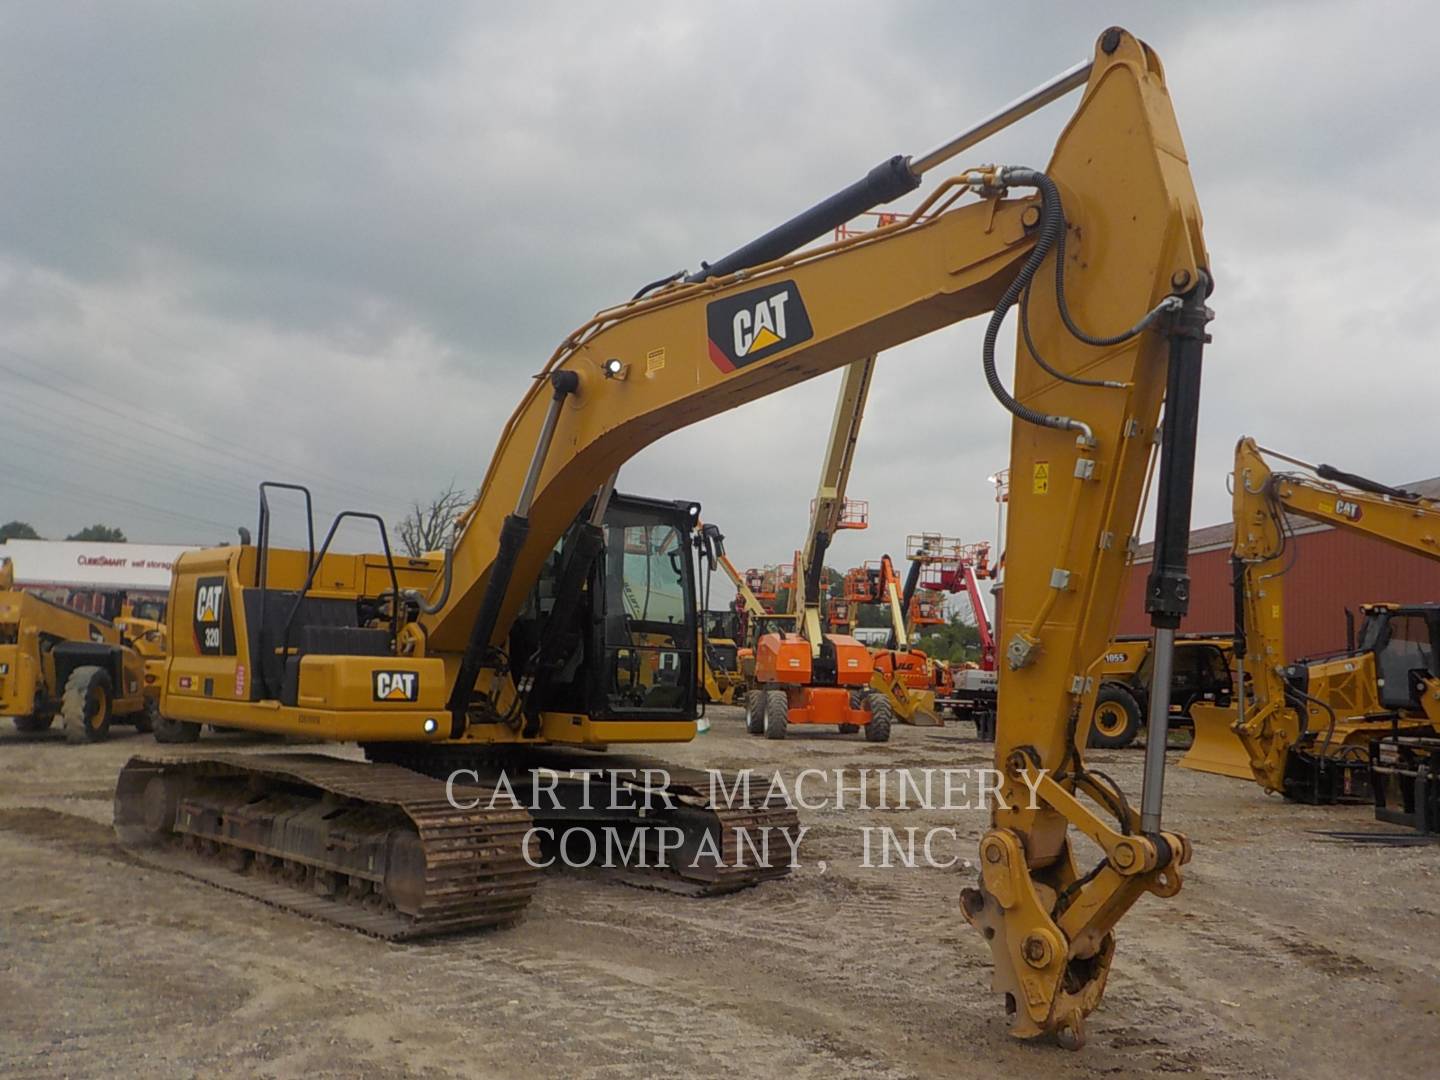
x=1049, y=237
x=1052, y=224
x=1074, y=380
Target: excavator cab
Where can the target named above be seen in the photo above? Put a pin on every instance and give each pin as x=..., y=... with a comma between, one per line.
x=1403, y=641
x=631, y=644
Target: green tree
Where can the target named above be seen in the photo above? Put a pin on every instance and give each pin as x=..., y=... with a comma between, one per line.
x=107, y=533
x=956, y=641
x=18, y=530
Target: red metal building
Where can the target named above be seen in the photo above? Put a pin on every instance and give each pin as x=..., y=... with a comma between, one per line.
x=1333, y=570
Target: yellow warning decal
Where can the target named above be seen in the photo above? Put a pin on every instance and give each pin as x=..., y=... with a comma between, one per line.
x=654, y=360
x=1040, y=482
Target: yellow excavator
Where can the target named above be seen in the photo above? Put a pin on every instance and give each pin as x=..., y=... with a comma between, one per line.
x=520, y=648
x=88, y=671
x=1304, y=730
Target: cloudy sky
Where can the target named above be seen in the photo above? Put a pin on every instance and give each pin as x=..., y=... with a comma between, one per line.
x=330, y=242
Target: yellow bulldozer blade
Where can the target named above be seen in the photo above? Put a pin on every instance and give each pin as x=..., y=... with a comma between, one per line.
x=1215, y=748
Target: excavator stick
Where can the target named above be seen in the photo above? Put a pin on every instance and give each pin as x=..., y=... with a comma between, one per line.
x=1086, y=424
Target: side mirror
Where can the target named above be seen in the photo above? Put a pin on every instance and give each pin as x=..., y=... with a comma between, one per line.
x=712, y=543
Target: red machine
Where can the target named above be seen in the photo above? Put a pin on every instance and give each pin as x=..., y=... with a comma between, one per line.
x=946, y=565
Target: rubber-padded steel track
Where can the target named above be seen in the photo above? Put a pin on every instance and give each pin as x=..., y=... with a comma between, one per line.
x=376, y=848
x=752, y=836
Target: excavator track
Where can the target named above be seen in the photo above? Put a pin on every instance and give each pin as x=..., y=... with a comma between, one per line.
x=752, y=835
x=375, y=848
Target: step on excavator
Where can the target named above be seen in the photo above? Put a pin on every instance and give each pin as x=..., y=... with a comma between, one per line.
x=88, y=671
x=1304, y=729
x=518, y=647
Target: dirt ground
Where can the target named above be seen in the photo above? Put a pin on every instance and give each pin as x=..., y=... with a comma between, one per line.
x=1287, y=953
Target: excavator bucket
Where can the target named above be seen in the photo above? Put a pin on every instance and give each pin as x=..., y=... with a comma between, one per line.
x=1214, y=746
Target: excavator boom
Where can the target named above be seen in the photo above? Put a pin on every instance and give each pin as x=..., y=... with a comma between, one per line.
x=1304, y=742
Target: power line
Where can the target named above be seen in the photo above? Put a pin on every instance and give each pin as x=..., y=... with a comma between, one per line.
x=138, y=418
x=227, y=462
x=120, y=500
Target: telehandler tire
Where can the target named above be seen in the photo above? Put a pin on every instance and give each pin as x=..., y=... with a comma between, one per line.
x=755, y=712
x=33, y=723
x=882, y=716
x=1117, y=718
x=87, y=704
x=166, y=730
x=144, y=720
x=777, y=714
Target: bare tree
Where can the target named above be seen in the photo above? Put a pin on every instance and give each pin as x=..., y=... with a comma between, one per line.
x=429, y=527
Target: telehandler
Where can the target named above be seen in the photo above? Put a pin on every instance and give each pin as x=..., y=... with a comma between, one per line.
x=1304, y=729
x=1200, y=673
x=55, y=661
x=518, y=648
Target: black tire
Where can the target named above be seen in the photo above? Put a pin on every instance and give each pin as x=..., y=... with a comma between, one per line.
x=144, y=720
x=985, y=725
x=1117, y=718
x=166, y=730
x=30, y=724
x=755, y=712
x=849, y=729
x=87, y=705
x=777, y=713
x=882, y=716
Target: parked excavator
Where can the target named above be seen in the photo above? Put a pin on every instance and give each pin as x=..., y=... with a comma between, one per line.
x=1304, y=729
x=89, y=671
x=519, y=648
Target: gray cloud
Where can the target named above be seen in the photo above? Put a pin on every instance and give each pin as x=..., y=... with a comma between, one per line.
x=332, y=241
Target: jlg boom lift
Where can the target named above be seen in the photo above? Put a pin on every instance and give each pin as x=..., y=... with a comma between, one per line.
x=521, y=646
x=941, y=565
x=808, y=676
x=902, y=677
x=1305, y=730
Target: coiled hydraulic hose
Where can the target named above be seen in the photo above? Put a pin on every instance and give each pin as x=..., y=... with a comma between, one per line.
x=1050, y=237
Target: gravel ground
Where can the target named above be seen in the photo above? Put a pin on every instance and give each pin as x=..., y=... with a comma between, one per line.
x=1287, y=953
